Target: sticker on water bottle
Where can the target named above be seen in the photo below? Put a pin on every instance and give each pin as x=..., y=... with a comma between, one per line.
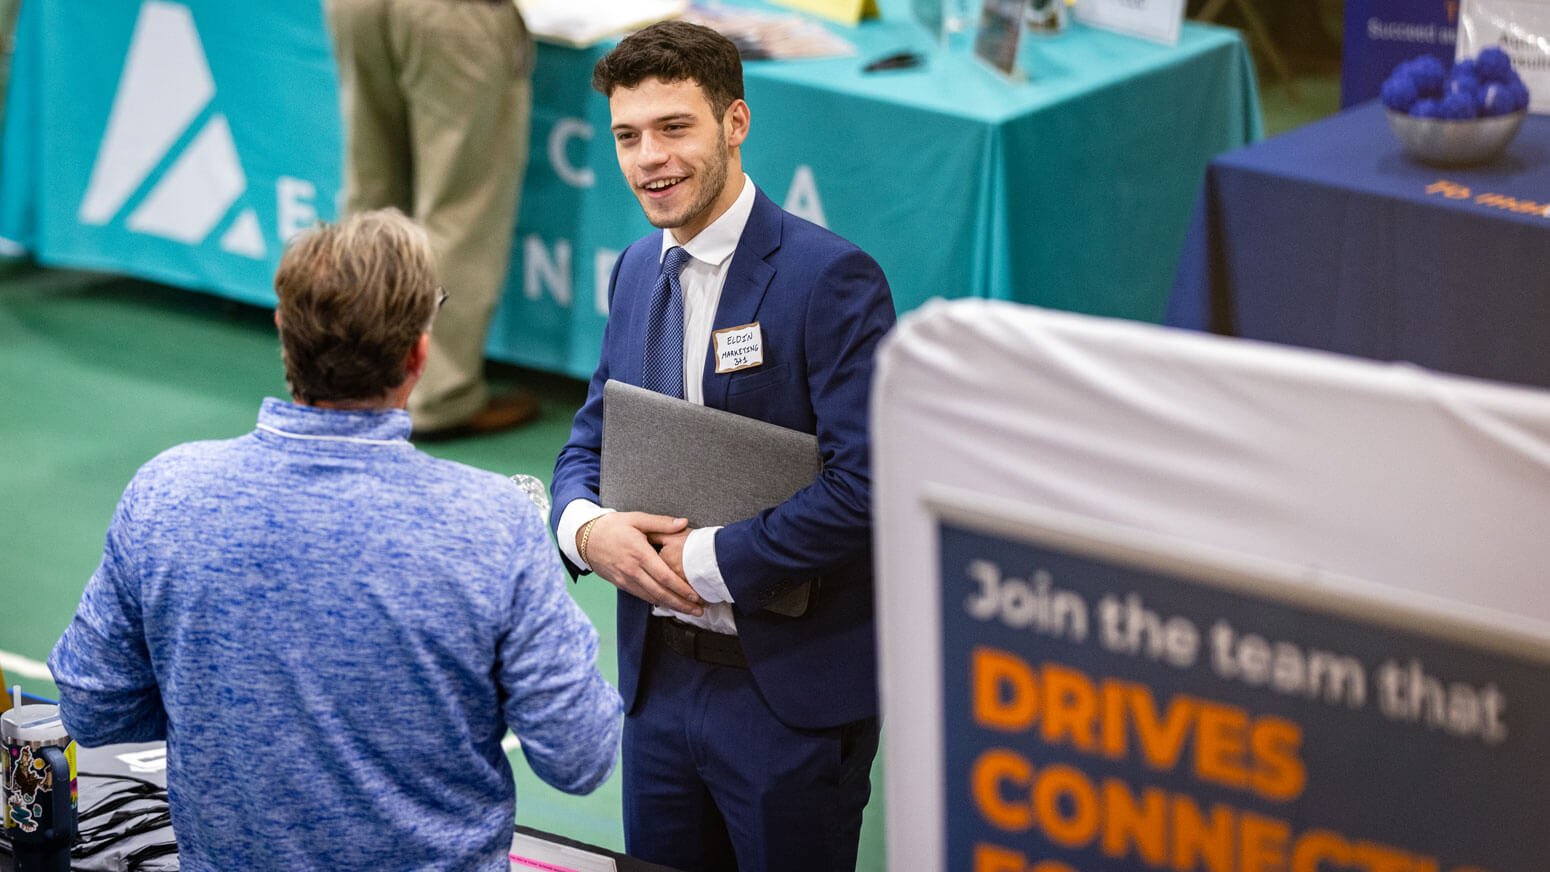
x=27, y=785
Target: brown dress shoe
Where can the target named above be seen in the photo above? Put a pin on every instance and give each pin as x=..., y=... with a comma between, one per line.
x=504, y=411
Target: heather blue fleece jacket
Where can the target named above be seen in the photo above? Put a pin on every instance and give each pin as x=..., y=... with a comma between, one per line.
x=333, y=631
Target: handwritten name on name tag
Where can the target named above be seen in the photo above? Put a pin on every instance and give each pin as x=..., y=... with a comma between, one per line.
x=739, y=348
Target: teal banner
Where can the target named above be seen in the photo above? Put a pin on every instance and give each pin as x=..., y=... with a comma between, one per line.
x=168, y=140
x=186, y=141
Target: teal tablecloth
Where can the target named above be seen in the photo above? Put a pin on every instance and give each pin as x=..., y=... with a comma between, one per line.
x=185, y=141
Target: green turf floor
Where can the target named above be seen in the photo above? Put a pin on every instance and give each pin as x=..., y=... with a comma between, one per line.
x=99, y=373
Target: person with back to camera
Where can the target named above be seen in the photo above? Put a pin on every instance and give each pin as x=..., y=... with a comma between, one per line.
x=331, y=629
x=749, y=735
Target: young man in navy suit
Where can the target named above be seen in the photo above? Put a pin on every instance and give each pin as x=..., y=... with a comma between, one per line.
x=750, y=734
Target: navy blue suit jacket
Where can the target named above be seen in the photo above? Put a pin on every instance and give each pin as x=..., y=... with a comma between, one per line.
x=822, y=305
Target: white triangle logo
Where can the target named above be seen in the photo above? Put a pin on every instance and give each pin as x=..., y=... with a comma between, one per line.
x=165, y=87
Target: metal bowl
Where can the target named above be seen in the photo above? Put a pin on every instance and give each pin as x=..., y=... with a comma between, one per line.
x=1455, y=143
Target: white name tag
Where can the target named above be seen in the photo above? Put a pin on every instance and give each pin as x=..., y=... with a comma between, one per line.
x=739, y=348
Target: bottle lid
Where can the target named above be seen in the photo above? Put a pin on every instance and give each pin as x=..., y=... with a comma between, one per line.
x=39, y=724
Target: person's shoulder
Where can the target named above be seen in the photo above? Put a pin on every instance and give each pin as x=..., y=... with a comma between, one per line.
x=489, y=503
x=808, y=237
x=190, y=458
x=471, y=482
x=490, y=509
x=184, y=472
x=820, y=248
x=801, y=229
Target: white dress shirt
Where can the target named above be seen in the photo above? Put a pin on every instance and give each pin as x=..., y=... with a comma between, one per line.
x=710, y=257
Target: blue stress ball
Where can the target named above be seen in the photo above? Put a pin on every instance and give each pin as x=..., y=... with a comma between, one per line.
x=1493, y=65
x=1497, y=99
x=1466, y=85
x=1457, y=107
x=1399, y=93
x=1428, y=74
x=1519, y=93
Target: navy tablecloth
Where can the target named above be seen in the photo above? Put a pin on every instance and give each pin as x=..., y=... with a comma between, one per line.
x=1330, y=237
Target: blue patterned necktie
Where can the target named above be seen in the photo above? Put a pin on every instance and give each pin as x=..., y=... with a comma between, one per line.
x=664, y=368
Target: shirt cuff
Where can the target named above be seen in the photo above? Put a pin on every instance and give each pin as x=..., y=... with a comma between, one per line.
x=576, y=514
x=700, y=565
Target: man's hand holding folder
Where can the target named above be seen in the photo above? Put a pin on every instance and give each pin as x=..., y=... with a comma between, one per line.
x=696, y=466
x=642, y=555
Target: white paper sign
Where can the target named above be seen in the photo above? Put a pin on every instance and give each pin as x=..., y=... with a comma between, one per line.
x=1521, y=28
x=582, y=23
x=1157, y=20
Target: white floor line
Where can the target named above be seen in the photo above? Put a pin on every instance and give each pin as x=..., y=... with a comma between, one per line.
x=16, y=666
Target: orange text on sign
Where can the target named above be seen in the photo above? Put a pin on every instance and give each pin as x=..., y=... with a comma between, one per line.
x=1119, y=719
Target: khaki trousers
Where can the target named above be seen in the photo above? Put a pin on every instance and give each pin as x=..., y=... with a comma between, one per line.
x=437, y=101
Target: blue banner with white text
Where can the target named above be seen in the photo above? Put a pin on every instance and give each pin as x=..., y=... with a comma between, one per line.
x=1379, y=34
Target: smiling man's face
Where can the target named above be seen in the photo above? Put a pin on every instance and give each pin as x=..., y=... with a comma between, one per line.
x=681, y=161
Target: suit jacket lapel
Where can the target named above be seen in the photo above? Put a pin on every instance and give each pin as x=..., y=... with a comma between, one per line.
x=747, y=280
x=645, y=278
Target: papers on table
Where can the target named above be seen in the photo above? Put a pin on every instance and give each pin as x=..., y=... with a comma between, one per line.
x=580, y=23
x=758, y=35
x=529, y=852
x=1156, y=20
x=761, y=35
x=843, y=11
